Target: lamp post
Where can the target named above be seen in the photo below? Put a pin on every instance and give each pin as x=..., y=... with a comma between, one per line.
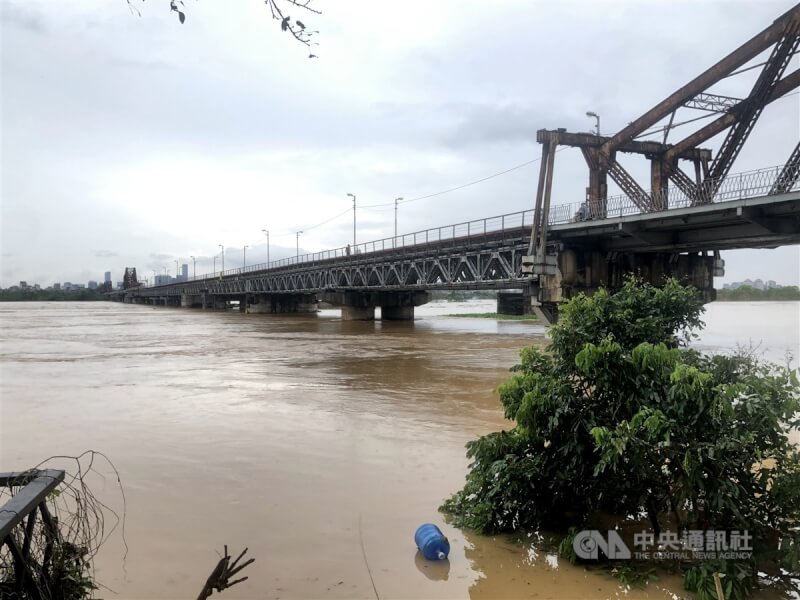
x=194, y=267
x=244, y=257
x=597, y=119
x=266, y=233
x=297, y=242
x=177, y=273
x=222, y=270
x=215, y=266
x=396, y=200
x=353, y=196
x=155, y=281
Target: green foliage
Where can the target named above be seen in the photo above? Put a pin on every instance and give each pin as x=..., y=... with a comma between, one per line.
x=71, y=577
x=747, y=293
x=30, y=295
x=617, y=416
x=736, y=579
x=633, y=574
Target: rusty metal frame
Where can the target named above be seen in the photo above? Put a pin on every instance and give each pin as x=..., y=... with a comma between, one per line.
x=739, y=117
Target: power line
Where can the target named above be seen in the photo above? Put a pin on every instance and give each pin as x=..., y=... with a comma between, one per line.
x=447, y=191
x=471, y=183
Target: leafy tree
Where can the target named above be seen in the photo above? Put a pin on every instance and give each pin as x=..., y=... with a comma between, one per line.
x=279, y=10
x=617, y=416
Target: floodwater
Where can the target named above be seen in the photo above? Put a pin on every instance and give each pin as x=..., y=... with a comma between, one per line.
x=318, y=444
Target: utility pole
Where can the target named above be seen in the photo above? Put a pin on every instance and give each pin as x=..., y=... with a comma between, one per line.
x=194, y=267
x=353, y=196
x=244, y=257
x=265, y=232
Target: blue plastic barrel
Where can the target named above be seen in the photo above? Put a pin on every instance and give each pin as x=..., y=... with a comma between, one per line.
x=432, y=542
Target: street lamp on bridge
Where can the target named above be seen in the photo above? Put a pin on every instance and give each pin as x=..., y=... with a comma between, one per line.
x=222, y=248
x=194, y=267
x=597, y=119
x=297, y=241
x=266, y=233
x=244, y=257
x=353, y=196
x=396, y=200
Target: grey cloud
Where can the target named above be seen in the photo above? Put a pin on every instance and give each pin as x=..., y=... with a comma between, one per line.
x=23, y=17
x=160, y=256
x=105, y=254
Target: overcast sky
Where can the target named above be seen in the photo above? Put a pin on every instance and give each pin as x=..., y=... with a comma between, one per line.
x=132, y=140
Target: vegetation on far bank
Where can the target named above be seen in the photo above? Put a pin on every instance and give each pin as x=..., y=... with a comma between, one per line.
x=617, y=416
x=494, y=315
x=462, y=295
x=746, y=293
x=50, y=295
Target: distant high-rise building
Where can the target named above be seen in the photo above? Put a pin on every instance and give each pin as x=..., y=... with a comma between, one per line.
x=56, y=286
x=92, y=285
x=107, y=276
x=184, y=272
x=23, y=284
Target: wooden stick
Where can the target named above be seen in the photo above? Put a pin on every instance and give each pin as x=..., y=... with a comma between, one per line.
x=222, y=573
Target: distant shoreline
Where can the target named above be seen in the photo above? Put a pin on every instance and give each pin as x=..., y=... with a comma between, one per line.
x=494, y=315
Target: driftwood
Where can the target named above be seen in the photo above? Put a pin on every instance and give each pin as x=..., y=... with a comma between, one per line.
x=222, y=573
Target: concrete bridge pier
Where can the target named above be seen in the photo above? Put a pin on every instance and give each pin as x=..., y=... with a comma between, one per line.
x=513, y=303
x=585, y=271
x=191, y=301
x=281, y=303
x=360, y=306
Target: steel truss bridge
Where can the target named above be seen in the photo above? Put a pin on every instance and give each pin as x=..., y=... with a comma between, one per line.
x=676, y=225
x=745, y=212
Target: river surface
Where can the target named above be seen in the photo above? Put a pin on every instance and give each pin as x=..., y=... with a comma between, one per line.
x=318, y=444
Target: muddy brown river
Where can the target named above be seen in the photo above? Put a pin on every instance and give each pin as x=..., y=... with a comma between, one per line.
x=318, y=444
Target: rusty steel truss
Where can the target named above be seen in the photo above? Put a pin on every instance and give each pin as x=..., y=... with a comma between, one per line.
x=738, y=117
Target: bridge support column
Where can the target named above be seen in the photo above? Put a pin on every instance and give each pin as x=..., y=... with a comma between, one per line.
x=190, y=301
x=397, y=313
x=586, y=271
x=282, y=303
x=399, y=306
x=513, y=303
x=360, y=306
x=358, y=313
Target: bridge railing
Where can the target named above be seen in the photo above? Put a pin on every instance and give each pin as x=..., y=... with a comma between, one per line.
x=744, y=185
x=467, y=230
x=749, y=184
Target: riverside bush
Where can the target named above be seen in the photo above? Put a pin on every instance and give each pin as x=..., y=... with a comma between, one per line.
x=617, y=416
